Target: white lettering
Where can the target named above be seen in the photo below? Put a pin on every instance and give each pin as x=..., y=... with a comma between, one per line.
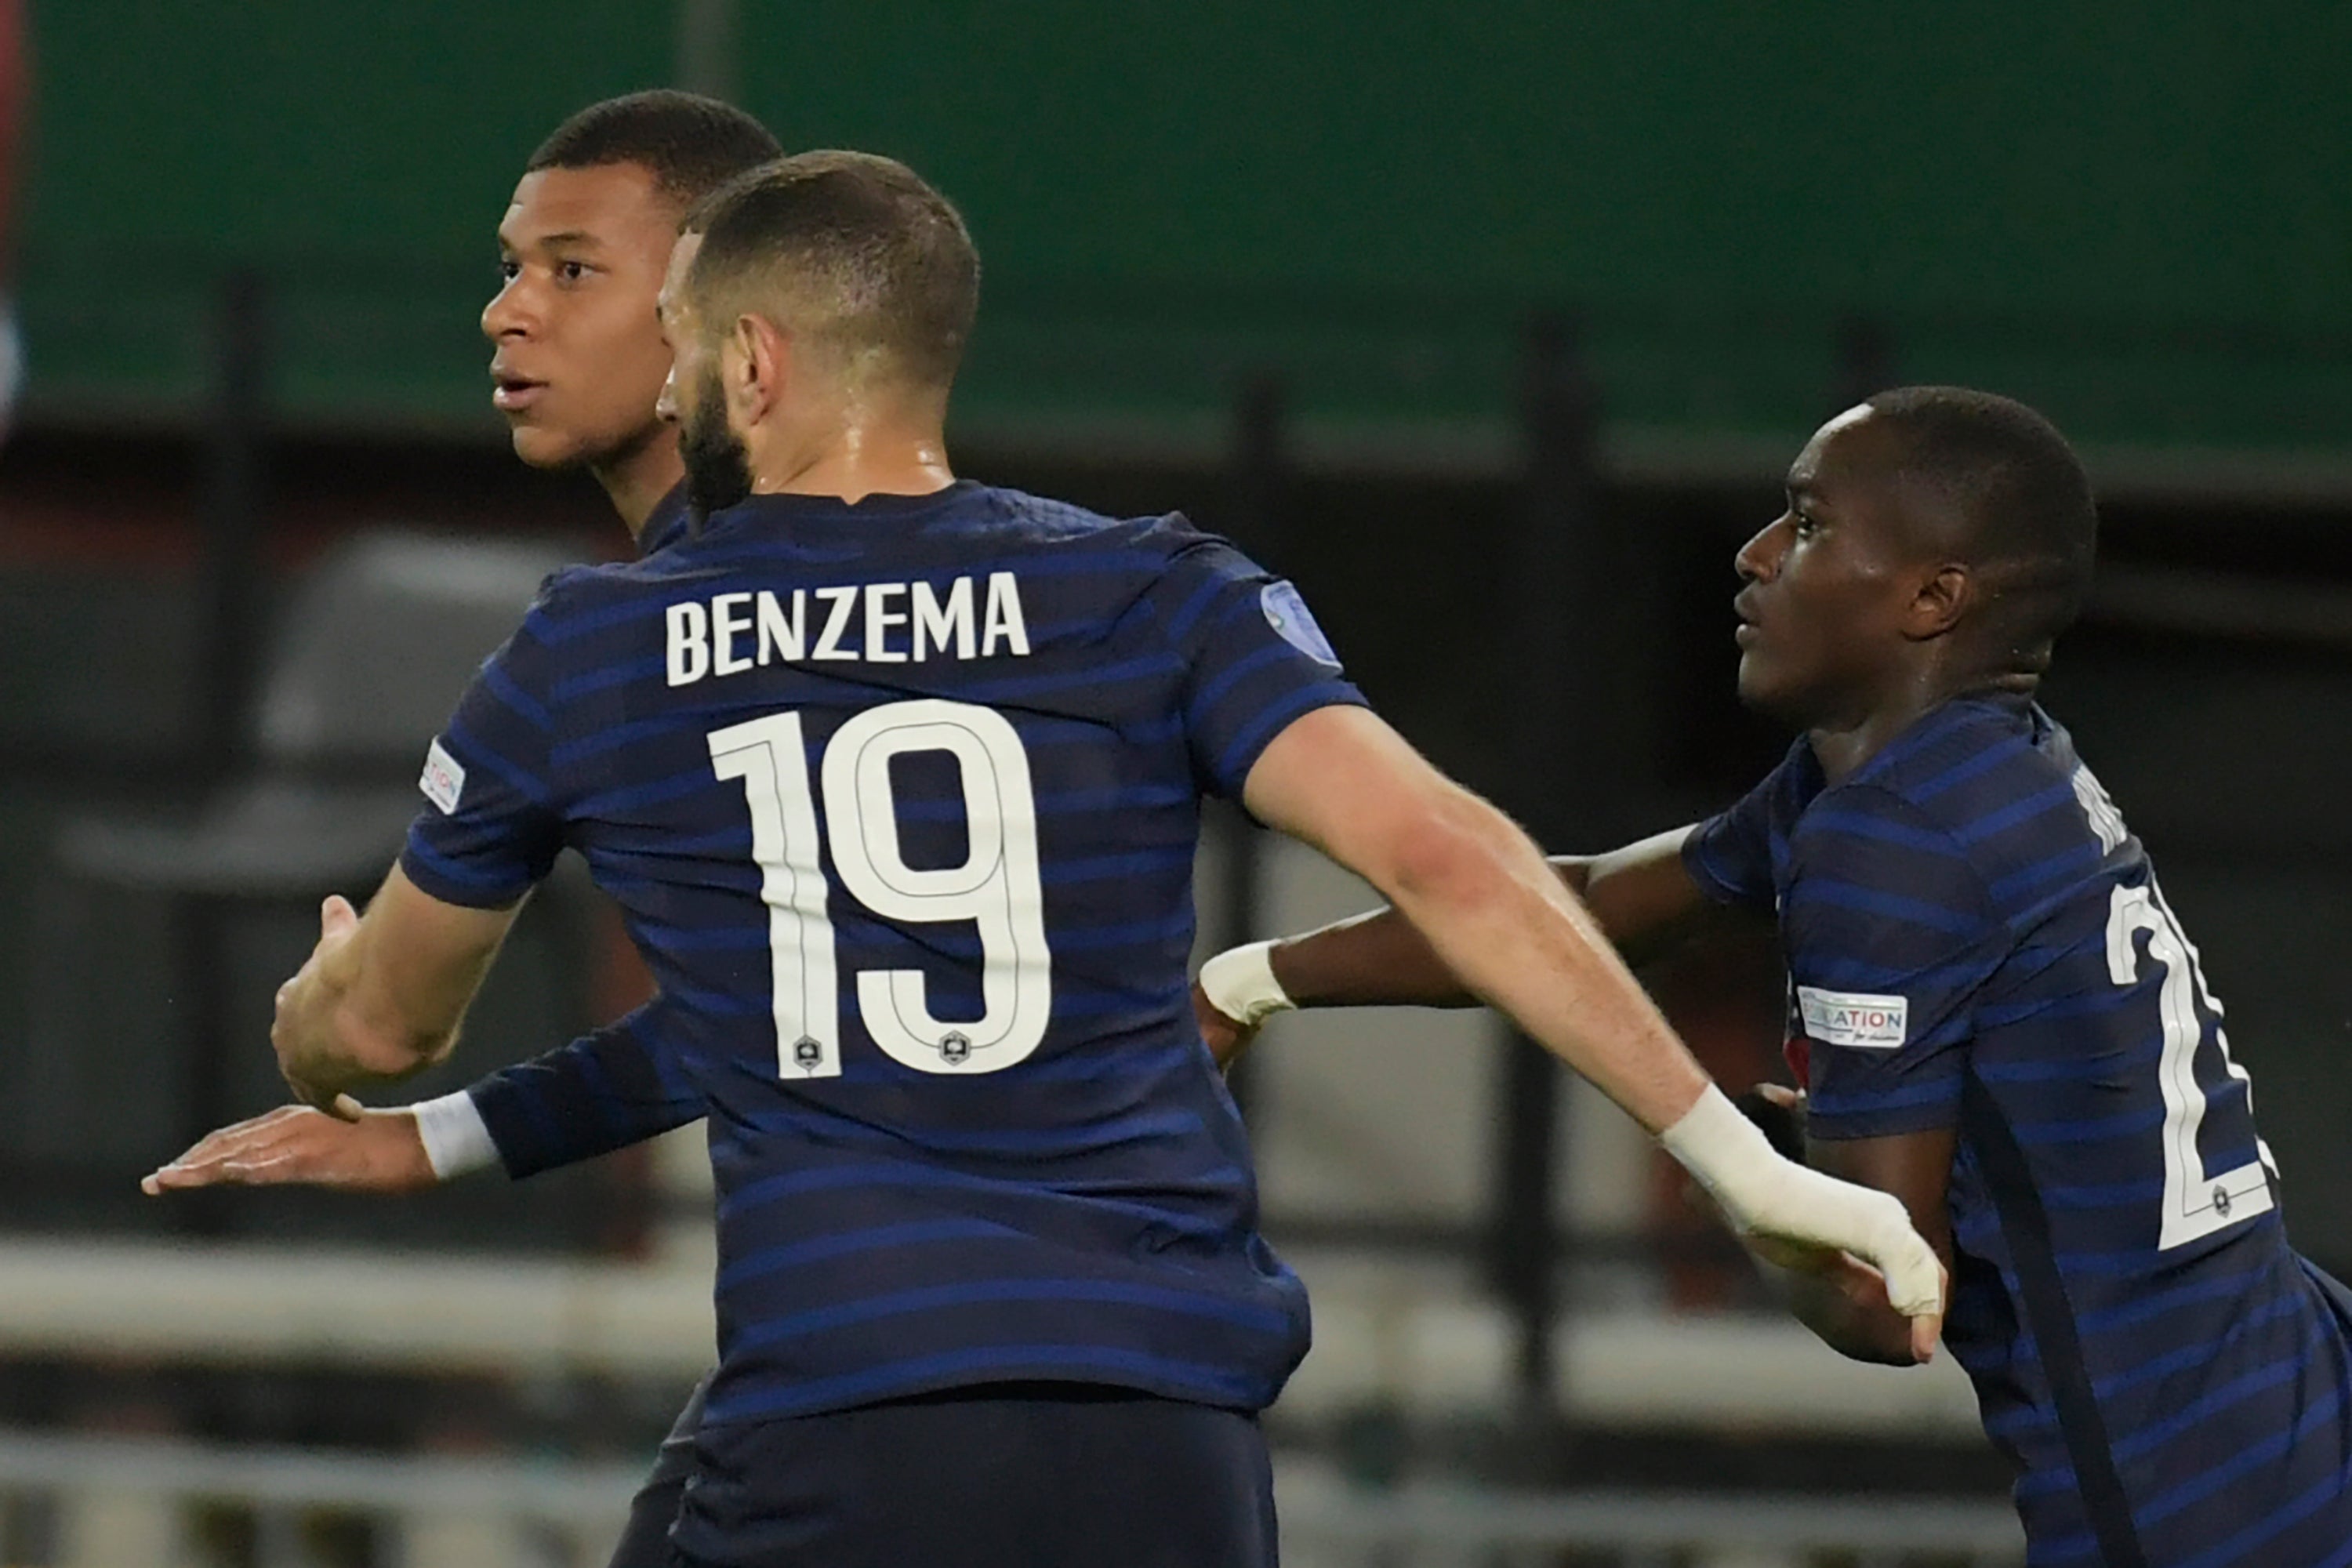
x=879, y=620
x=689, y=643
x=903, y=622
x=779, y=637
x=828, y=646
x=1003, y=615
x=729, y=614
x=938, y=622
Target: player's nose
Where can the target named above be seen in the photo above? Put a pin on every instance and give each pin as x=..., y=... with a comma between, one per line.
x=506, y=314
x=1758, y=560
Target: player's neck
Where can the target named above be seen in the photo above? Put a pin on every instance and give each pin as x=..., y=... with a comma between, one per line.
x=635, y=479
x=854, y=462
x=1844, y=745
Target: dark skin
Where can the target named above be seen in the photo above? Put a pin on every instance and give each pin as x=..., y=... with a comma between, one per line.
x=1860, y=614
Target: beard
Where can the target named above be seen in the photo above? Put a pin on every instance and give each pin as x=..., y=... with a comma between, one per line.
x=718, y=469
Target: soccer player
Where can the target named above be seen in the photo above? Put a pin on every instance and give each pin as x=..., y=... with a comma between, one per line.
x=1998, y=1016
x=578, y=364
x=896, y=778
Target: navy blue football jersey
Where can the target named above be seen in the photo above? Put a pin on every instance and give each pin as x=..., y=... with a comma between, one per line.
x=613, y=1087
x=1974, y=940
x=899, y=800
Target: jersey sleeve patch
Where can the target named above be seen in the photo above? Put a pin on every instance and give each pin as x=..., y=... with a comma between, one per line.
x=1286, y=613
x=443, y=779
x=1858, y=1019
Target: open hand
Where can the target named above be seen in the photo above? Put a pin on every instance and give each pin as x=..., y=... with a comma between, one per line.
x=355, y=1150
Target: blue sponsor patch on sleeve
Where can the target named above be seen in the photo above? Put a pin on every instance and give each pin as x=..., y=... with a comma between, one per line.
x=1287, y=614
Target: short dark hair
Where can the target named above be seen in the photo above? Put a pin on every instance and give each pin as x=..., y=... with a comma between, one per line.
x=691, y=145
x=854, y=249
x=2020, y=500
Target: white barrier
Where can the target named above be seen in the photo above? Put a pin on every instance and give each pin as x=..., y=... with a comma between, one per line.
x=128, y=1503
x=1381, y=1332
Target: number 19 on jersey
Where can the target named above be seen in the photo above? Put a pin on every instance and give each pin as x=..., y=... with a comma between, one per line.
x=997, y=887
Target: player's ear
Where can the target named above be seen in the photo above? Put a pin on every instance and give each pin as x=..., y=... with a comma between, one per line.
x=1943, y=597
x=765, y=355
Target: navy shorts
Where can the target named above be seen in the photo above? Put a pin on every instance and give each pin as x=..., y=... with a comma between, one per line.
x=1005, y=1475
x=645, y=1543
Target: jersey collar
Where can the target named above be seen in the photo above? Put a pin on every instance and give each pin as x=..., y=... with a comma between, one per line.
x=1923, y=731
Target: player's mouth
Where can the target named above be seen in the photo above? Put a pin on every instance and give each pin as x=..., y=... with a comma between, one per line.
x=514, y=394
x=1745, y=608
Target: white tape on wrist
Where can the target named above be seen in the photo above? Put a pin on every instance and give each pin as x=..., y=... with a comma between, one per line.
x=457, y=1140
x=1240, y=984
x=1762, y=1193
x=1728, y=1154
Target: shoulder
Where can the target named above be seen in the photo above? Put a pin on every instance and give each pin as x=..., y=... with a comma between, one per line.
x=1997, y=783
x=587, y=612
x=1037, y=520
x=1146, y=544
x=1777, y=802
x=1041, y=517
x=1880, y=903
x=579, y=594
x=1073, y=538
x=1172, y=564
x=1868, y=862
x=1858, y=817
x=571, y=593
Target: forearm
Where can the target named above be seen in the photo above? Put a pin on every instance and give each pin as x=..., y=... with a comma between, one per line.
x=1639, y=896
x=1499, y=917
x=338, y=1025
x=381, y=996
x=602, y=1091
x=1371, y=960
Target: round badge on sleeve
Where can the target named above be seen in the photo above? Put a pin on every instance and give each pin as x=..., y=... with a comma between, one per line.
x=1286, y=613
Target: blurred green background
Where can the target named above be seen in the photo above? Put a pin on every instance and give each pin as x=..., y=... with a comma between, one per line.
x=2137, y=216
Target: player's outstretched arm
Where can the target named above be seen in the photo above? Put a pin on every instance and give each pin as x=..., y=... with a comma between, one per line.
x=1463, y=882
x=1641, y=896
x=602, y=1091
x=1499, y=917
x=382, y=995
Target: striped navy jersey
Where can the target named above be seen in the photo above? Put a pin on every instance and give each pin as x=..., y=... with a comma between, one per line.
x=610, y=1087
x=1974, y=940
x=899, y=801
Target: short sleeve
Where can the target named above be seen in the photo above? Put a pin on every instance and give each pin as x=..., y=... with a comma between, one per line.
x=1254, y=658
x=1890, y=938
x=491, y=826
x=1731, y=855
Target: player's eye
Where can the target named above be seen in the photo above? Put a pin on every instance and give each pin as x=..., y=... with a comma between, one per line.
x=510, y=269
x=1805, y=524
x=572, y=272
